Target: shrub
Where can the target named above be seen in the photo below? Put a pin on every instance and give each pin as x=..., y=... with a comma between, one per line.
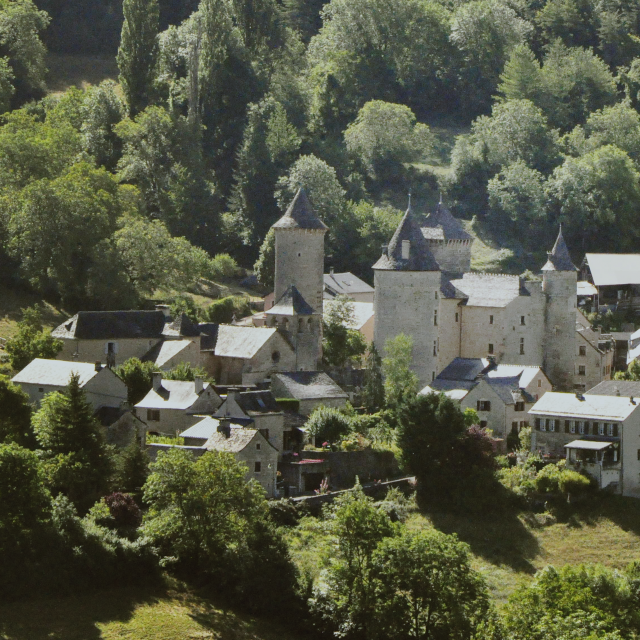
x=573, y=482
x=327, y=424
x=223, y=310
x=224, y=266
x=548, y=478
x=124, y=510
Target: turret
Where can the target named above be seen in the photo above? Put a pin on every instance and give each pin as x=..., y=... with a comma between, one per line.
x=559, y=285
x=299, y=281
x=407, y=295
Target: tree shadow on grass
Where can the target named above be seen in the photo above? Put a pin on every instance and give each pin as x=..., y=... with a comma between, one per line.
x=74, y=617
x=623, y=512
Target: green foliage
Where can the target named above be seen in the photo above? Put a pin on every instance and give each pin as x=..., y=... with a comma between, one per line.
x=265, y=266
x=31, y=341
x=6, y=87
x=172, y=440
x=75, y=458
x=15, y=415
x=138, y=52
x=224, y=310
x=632, y=372
x=131, y=469
x=138, y=376
x=184, y=371
x=373, y=394
x=184, y=304
x=384, y=136
x=201, y=512
x=400, y=382
x=425, y=587
x=471, y=417
x=330, y=425
x=341, y=344
x=224, y=266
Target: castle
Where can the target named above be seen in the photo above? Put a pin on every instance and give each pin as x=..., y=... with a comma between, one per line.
x=424, y=288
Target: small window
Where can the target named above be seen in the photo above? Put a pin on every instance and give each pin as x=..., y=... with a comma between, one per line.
x=435, y=318
x=638, y=454
x=435, y=348
x=582, y=351
x=257, y=467
x=483, y=405
x=514, y=427
x=490, y=348
x=490, y=319
x=483, y=424
x=521, y=346
x=456, y=317
x=539, y=383
x=153, y=415
x=572, y=426
x=433, y=376
x=519, y=406
x=436, y=295
x=582, y=370
x=543, y=425
x=258, y=445
x=552, y=425
x=275, y=356
x=41, y=389
x=522, y=322
x=610, y=429
x=299, y=255
x=581, y=427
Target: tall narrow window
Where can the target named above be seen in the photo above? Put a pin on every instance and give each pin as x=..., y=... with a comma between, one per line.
x=490, y=348
x=456, y=317
x=435, y=348
x=521, y=346
x=522, y=321
x=490, y=319
x=435, y=318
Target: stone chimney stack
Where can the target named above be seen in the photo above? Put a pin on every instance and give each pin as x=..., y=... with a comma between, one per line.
x=224, y=427
x=198, y=384
x=406, y=249
x=157, y=380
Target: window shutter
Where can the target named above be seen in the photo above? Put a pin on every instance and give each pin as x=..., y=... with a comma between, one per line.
x=488, y=405
x=615, y=430
x=538, y=424
x=478, y=406
x=566, y=426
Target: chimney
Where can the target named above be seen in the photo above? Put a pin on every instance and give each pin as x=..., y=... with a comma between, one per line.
x=165, y=309
x=331, y=271
x=98, y=365
x=385, y=249
x=406, y=249
x=631, y=400
x=492, y=363
x=232, y=394
x=224, y=427
x=198, y=385
x=157, y=380
x=579, y=396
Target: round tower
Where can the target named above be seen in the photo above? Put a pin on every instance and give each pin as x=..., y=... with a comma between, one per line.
x=299, y=280
x=559, y=284
x=407, y=296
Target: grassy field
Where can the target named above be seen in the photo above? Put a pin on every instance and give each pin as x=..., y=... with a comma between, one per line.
x=134, y=615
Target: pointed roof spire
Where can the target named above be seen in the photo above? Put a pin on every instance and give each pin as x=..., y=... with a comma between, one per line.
x=420, y=256
x=300, y=215
x=441, y=225
x=559, y=258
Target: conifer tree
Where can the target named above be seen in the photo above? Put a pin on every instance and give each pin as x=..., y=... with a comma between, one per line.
x=373, y=396
x=138, y=52
x=521, y=77
x=75, y=456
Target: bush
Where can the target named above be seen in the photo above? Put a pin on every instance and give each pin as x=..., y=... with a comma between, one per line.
x=327, y=424
x=224, y=266
x=573, y=482
x=124, y=510
x=222, y=311
x=548, y=479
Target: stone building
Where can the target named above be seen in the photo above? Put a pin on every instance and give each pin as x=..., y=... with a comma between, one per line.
x=452, y=315
x=299, y=281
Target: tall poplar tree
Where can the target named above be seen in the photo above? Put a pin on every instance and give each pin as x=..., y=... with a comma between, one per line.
x=138, y=52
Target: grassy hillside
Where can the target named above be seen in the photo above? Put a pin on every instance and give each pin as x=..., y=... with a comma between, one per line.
x=80, y=71
x=135, y=615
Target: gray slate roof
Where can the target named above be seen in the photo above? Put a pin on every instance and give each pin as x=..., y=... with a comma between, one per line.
x=300, y=215
x=239, y=438
x=163, y=351
x=55, y=373
x=559, y=258
x=203, y=429
x=614, y=268
x=291, y=303
x=345, y=283
x=258, y=402
x=420, y=256
x=441, y=225
x=106, y=325
x=308, y=385
x=231, y=341
x=490, y=290
x=626, y=388
x=173, y=394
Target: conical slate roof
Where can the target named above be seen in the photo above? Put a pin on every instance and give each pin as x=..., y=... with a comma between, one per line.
x=441, y=225
x=420, y=256
x=559, y=258
x=291, y=303
x=300, y=215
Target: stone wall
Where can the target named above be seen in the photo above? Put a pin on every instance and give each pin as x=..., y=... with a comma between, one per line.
x=94, y=350
x=453, y=256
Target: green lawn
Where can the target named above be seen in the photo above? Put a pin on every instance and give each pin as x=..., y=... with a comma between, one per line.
x=133, y=614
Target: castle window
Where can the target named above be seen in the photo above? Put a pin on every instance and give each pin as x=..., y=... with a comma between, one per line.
x=582, y=351
x=582, y=370
x=299, y=255
x=435, y=318
x=521, y=346
x=435, y=348
x=490, y=319
x=456, y=317
x=301, y=325
x=433, y=376
x=436, y=294
x=522, y=321
x=490, y=348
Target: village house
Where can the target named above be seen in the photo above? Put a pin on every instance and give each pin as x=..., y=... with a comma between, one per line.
x=599, y=434
x=260, y=409
x=244, y=354
x=363, y=318
x=172, y=406
x=310, y=388
x=112, y=337
x=502, y=394
x=122, y=427
x=346, y=284
x=616, y=278
x=594, y=358
x=102, y=387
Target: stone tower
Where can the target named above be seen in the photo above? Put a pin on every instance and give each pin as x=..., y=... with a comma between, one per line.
x=448, y=241
x=299, y=281
x=407, y=296
x=559, y=280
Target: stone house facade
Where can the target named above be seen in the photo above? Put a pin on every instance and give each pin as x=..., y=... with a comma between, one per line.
x=594, y=359
x=102, y=387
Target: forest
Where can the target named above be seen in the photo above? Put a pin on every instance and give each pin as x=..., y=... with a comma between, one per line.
x=224, y=107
